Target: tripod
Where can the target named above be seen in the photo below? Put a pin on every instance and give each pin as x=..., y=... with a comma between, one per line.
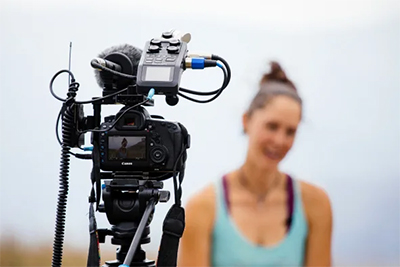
x=129, y=206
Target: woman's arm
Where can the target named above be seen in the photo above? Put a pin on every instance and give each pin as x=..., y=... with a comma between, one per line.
x=319, y=215
x=195, y=245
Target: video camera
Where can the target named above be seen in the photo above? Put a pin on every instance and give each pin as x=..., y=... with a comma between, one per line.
x=132, y=151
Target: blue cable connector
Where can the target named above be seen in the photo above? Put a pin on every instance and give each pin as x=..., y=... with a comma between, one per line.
x=151, y=94
x=198, y=63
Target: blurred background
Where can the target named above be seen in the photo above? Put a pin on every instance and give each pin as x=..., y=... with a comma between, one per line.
x=344, y=57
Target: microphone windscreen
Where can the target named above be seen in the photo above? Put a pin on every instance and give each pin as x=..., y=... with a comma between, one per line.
x=133, y=53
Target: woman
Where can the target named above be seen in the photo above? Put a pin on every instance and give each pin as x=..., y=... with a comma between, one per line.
x=257, y=215
x=122, y=152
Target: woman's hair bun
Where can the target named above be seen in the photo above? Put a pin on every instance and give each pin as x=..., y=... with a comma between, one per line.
x=276, y=74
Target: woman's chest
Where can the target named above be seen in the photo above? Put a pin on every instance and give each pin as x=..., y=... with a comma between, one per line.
x=263, y=221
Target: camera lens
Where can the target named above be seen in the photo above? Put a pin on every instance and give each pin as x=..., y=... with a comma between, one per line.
x=158, y=154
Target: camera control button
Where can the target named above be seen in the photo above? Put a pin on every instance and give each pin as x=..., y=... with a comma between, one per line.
x=158, y=155
x=153, y=48
x=172, y=49
x=170, y=59
x=155, y=42
x=167, y=35
x=174, y=42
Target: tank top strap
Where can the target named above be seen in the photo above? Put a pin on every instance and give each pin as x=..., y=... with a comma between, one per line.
x=290, y=201
x=222, y=198
x=298, y=209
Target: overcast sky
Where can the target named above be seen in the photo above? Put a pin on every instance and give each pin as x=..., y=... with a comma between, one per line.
x=343, y=55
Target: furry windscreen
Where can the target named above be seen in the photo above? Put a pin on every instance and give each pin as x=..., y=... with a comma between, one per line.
x=132, y=52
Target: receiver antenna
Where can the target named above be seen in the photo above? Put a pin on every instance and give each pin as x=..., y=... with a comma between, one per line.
x=69, y=63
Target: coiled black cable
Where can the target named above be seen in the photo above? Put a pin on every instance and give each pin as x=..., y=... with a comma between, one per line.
x=67, y=129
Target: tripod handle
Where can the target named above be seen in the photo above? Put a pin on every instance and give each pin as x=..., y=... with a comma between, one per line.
x=139, y=232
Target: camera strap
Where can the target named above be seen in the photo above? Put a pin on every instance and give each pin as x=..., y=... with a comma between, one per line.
x=174, y=222
x=173, y=227
x=94, y=253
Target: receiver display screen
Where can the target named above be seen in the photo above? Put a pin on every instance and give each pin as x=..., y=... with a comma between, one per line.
x=158, y=74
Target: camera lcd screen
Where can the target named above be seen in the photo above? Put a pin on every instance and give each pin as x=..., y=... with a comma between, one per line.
x=126, y=148
x=158, y=74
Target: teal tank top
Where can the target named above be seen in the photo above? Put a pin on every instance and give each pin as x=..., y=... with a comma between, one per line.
x=231, y=248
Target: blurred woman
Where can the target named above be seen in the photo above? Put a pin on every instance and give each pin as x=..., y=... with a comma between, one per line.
x=122, y=152
x=256, y=215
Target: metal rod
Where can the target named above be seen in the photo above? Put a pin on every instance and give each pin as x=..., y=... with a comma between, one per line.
x=139, y=232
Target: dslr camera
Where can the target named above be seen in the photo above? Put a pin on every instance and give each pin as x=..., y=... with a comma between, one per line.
x=139, y=142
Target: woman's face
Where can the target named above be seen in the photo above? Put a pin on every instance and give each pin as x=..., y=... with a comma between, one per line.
x=272, y=130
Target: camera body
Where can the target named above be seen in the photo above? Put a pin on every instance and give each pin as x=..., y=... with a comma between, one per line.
x=139, y=142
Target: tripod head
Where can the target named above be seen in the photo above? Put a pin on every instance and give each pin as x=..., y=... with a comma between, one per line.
x=125, y=204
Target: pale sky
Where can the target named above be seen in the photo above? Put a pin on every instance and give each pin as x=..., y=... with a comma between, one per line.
x=288, y=15
x=343, y=55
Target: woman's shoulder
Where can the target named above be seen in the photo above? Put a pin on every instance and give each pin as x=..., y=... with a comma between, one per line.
x=313, y=193
x=203, y=198
x=200, y=208
x=316, y=200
